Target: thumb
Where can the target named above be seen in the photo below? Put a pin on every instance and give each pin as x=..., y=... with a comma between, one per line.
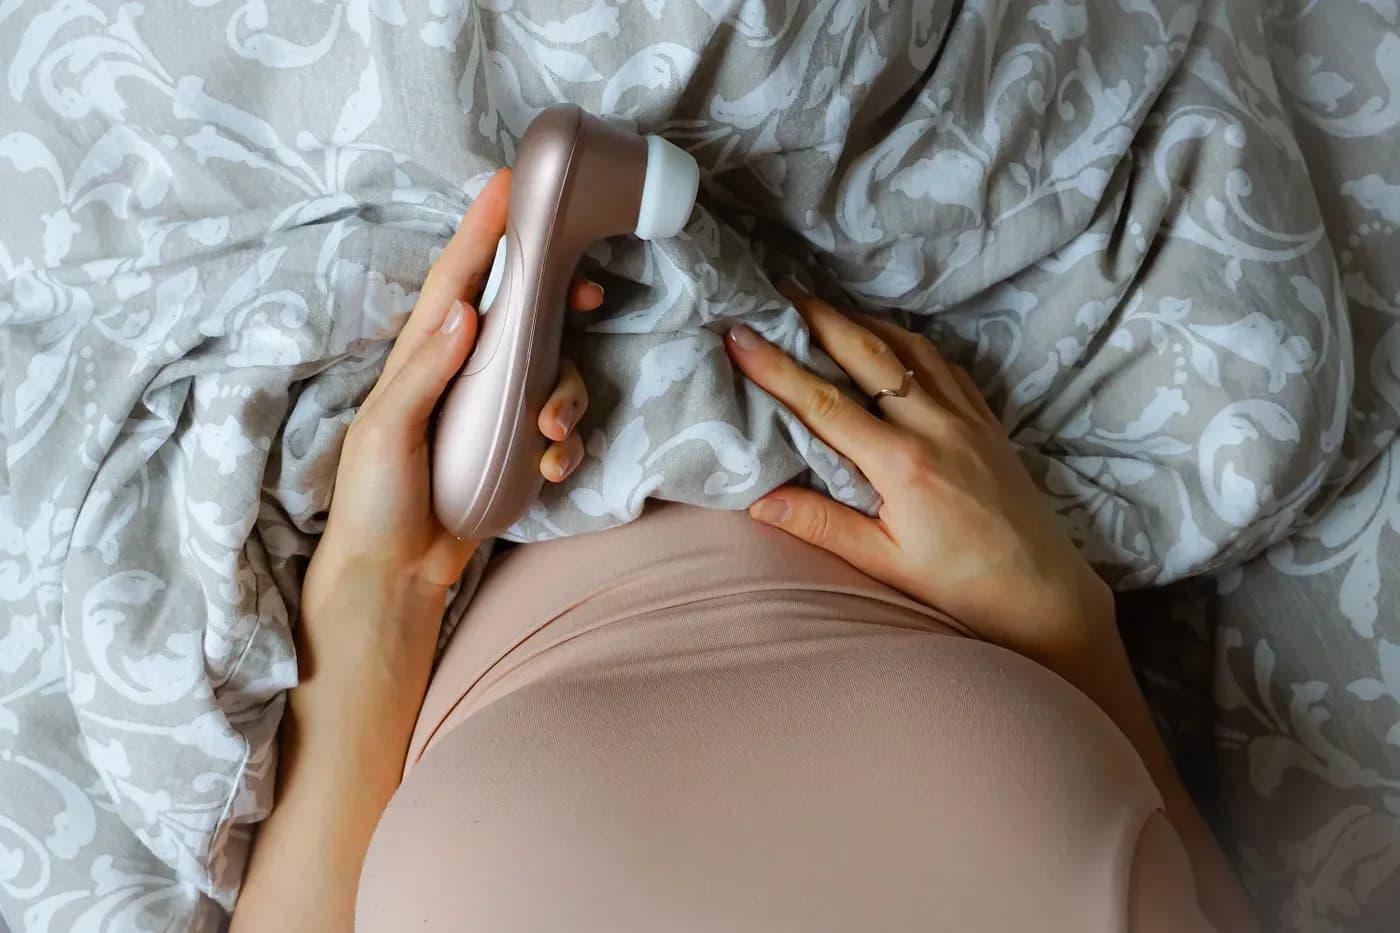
x=415, y=389
x=858, y=539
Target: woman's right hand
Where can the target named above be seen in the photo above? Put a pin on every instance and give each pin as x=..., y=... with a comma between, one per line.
x=963, y=527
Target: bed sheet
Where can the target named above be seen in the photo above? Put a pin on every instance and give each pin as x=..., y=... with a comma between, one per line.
x=217, y=212
x=1307, y=681
x=1307, y=636
x=1278, y=684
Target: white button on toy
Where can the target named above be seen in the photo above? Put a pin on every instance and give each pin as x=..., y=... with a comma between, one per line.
x=494, y=277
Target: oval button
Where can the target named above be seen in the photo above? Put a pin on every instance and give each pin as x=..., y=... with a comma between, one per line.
x=494, y=277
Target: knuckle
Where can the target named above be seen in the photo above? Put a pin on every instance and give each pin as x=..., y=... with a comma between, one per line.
x=925, y=350
x=911, y=462
x=824, y=402
x=817, y=528
x=921, y=340
x=873, y=347
x=975, y=436
x=961, y=433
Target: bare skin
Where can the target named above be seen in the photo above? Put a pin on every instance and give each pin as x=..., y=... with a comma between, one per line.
x=373, y=600
x=956, y=499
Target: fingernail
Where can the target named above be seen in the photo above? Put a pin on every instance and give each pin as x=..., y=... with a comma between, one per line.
x=598, y=292
x=744, y=337
x=566, y=464
x=453, y=321
x=769, y=511
x=565, y=417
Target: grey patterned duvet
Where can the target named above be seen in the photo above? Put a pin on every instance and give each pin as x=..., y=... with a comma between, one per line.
x=1161, y=233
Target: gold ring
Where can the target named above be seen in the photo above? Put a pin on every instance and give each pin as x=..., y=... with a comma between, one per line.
x=902, y=391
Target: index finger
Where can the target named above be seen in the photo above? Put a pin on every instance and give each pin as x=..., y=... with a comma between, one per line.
x=825, y=409
x=459, y=272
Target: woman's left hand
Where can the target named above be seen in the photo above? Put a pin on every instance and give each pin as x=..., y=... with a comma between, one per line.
x=962, y=528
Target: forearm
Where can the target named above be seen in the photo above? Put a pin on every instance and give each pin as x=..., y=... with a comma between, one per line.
x=307, y=857
x=343, y=741
x=1102, y=671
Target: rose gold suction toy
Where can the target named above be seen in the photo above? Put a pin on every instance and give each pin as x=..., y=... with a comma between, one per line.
x=577, y=179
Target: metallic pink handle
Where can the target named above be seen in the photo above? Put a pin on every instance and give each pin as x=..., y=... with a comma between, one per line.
x=576, y=180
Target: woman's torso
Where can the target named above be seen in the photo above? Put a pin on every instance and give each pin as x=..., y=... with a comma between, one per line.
x=694, y=722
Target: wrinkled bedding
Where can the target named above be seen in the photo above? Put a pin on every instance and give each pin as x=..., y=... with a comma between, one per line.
x=1160, y=234
x=1306, y=637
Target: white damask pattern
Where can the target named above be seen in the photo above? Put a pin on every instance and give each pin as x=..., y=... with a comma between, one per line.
x=1162, y=233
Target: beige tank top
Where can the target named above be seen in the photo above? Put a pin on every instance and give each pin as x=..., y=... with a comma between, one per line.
x=696, y=723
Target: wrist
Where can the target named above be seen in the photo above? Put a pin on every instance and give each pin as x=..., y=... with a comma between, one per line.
x=366, y=635
x=340, y=579
x=339, y=565
x=1084, y=642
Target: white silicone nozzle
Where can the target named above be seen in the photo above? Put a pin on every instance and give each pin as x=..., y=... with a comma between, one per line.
x=668, y=193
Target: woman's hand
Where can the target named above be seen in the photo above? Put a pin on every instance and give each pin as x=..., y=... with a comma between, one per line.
x=381, y=527
x=373, y=599
x=962, y=528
